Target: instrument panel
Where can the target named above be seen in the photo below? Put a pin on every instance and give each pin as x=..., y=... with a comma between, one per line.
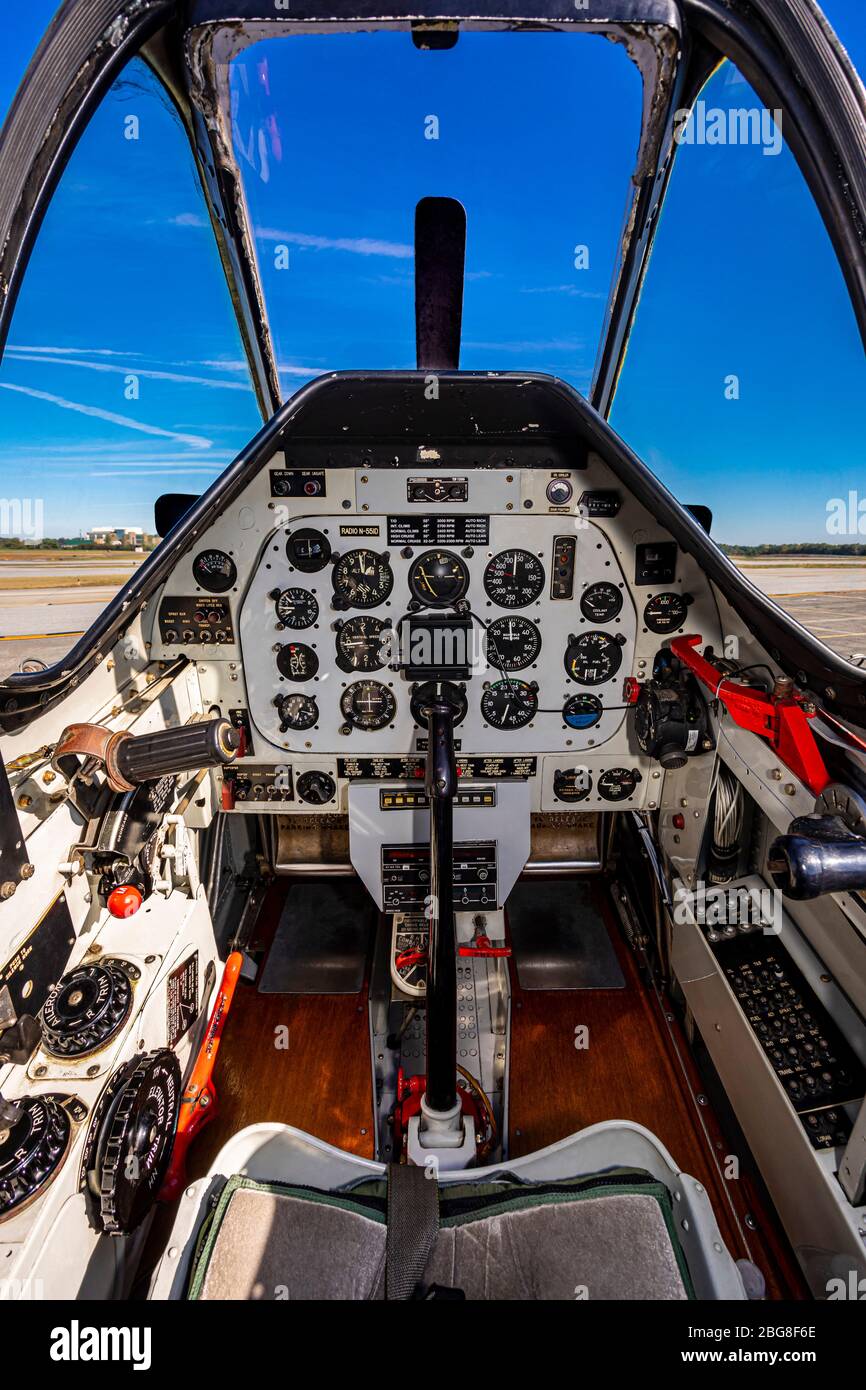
x=334, y=655
x=319, y=611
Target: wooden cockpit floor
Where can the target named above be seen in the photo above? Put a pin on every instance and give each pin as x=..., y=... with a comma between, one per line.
x=320, y=1082
x=636, y=1067
x=633, y=1069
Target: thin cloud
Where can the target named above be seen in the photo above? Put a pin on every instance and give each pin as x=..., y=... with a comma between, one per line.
x=568, y=289
x=195, y=440
x=151, y=373
x=357, y=246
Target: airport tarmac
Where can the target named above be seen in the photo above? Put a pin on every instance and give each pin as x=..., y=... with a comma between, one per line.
x=827, y=595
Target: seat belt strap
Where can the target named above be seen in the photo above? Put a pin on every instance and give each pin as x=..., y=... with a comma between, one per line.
x=413, y=1224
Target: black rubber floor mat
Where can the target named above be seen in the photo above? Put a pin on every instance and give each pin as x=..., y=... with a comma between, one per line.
x=559, y=938
x=321, y=942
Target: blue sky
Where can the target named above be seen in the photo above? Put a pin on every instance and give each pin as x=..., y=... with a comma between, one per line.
x=124, y=376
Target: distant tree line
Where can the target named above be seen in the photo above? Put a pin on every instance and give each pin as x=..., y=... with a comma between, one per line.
x=795, y=548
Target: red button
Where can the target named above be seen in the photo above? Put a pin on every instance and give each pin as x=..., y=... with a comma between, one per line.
x=679, y=820
x=125, y=901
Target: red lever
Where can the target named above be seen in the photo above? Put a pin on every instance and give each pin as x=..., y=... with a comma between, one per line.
x=779, y=719
x=482, y=946
x=199, y=1102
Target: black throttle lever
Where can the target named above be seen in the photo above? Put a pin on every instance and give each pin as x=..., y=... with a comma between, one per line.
x=819, y=854
x=130, y=759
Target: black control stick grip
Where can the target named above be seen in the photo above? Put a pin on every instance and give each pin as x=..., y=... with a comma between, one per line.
x=818, y=855
x=147, y=757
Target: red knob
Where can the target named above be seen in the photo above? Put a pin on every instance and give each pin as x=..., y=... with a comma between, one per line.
x=124, y=901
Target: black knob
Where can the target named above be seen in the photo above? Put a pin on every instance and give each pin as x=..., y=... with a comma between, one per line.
x=316, y=788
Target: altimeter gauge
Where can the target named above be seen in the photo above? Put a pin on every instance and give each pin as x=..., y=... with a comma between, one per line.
x=362, y=579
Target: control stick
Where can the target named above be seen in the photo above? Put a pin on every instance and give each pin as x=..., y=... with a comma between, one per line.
x=441, y=1003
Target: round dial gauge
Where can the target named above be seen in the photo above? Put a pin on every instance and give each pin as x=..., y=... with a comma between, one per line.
x=601, y=603
x=214, y=571
x=438, y=579
x=514, y=578
x=593, y=657
x=297, y=662
x=424, y=694
x=618, y=783
x=572, y=783
x=316, y=788
x=360, y=646
x=582, y=711
x=665, y=612
x=509, y=704
x=512, y=643
x=295, y=607
x=368, y=705
x=362, y=579
x=308, y=550
x=296, y=712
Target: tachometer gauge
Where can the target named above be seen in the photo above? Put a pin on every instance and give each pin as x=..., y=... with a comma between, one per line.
x=601, y=603
x=214, y=571
x=362, y=579
x=514, y=578
x=360, y=646
x=368, y=705
x=572, y=783
x=618, y=783
x=509, y=704
x=438, y=579
x=593, y=657
x=295, y=607
x=665, y=612
x=582, y=711
x=308, y=550
x=296, y=712
x=512, y=643
x=297, y=662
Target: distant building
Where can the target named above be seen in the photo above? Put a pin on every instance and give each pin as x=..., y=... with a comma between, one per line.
x=116, y=535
